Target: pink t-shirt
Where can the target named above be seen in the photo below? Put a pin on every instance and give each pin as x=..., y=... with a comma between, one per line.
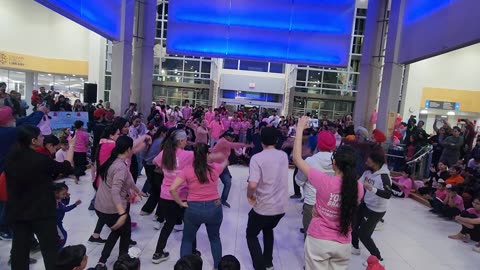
x=217, y=129
x=201, y=135
x=223, y=146
x=209, y=116
x=473, y=211
x=184, y=158
x=407, y=182
x=198, y=192
x=328, y=201
x=236, y=127
x=458, y=200
x=226, y=123
x=244, y=126
x=441, y=194
x=82, y=141
x=186, y=112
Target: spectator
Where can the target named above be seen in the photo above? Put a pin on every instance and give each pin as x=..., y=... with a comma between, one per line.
x=229, y=262
x=62, y=105
x=452, y=146
x=81, y=146
x=72, y=258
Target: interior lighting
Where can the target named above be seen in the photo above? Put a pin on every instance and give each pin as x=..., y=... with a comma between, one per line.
x=423, y=112
x=49, y=74
x=451, y=113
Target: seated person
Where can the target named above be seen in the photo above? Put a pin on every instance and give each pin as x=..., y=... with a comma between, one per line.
x=455, y=176
x=402, y=184
x=441, y=172
x=453, y=203
x=470, y=221
x=229, y=262
x=189, y=262
x=474, y=162
x=436, y=202
x=128, y=261
x=72, y=258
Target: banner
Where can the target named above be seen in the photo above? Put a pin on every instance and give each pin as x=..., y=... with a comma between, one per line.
x=61, y=120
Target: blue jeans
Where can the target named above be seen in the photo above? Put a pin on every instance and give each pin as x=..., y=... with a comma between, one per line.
x=209, y=213
x=226, y=179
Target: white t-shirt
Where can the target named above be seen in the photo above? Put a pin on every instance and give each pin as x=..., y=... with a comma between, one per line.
x=61, y=155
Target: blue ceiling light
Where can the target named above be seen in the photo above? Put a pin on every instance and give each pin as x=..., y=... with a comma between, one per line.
x=102, y=17
x=292, y=31
x=419, y=9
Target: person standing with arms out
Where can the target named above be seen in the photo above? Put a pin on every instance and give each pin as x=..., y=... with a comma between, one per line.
x=378, y=190
x=267, y=192
x=80, y=149
x=327, y=245
x=225, y=146
x=203, y=204
x=31, y=202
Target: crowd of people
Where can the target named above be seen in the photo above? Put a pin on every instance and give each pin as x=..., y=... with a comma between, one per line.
x=185, y=152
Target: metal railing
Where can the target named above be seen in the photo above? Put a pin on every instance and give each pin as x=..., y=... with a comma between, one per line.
x=419, y=164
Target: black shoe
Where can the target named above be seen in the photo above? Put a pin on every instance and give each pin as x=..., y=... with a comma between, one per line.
x=196, y=252
x=132, y=243
x=226, y=204
x=98, y=241
x=34, y=249
x=30, y=261
x=295, y=196
x=160, y=257
x=100, y=267
x=91, y=207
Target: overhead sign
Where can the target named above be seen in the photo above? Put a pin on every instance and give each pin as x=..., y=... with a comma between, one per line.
x=442, y=105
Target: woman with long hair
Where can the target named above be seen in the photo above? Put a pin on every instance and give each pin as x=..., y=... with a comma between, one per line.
x=171, y=160
x=328, y=242
x=203, y=205
x=113, y=196
x=31, y=202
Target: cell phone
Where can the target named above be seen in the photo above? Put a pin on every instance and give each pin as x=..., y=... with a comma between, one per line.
x=72, y=131
x=313, y=123
x=44, y=103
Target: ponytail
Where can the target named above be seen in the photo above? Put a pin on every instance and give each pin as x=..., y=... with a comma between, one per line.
x=200, y=165
x=169, y=148
x=123, y=144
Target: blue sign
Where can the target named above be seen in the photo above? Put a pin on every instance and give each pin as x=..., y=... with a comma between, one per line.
x=289, y=31
x=442, y=105
x=61, y=120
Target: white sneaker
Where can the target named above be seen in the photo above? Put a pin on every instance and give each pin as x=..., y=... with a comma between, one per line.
x=178, y=228
x=356, y=251
x=155, y=217
x=157, y=225
x=380, y=226
x=269, y=268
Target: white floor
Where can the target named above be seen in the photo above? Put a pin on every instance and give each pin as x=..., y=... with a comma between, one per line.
x=412, y=238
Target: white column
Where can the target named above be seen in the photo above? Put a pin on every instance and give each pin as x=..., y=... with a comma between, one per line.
x=96, y=62
x=143, y=55
x=122, y=60
x=370, y=64
x=29, y=86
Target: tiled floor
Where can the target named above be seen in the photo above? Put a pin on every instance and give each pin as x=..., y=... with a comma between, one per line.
x=412, y=238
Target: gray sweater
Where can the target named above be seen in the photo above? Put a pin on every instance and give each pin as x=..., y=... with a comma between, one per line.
x=377, y=199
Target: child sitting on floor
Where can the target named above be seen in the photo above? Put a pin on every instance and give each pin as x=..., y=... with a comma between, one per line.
x=436, y=202
x=470, y=231
x=402, y=184
x=453, y=203
x=61, y=191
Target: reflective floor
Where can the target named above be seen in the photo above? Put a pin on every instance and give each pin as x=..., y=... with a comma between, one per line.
x=411, y=239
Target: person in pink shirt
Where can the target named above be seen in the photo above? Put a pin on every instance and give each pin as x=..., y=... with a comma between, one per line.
x=210, y=115
x=225, y=146
x=80, y=150
x=453, y=203
x=203, y=204
x=216, y=129
x=244, y=127
x=227, y=123
x=171, y=160
x=201, y=133
x=236, y=125
x=187, y=110
x=402, y=185
x=328, y=242
x=470, y=221
x=171, y=122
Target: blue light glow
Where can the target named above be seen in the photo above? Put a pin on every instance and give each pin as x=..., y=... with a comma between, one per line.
x=102, y=17
x=292, y=31
x=419, y=9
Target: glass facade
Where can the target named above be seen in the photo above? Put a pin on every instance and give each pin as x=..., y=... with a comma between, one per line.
x=15, y=80
x=253, y=66
x=175, y=96
x=330, y=82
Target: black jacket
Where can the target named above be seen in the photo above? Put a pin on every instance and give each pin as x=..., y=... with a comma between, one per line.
x=29, y=185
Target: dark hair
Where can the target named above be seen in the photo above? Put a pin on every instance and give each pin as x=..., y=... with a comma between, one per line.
x=457, y=129
x=119, y=123
x=50, y=139
x=457, y=168
x=407, y=170
x=78, y=124
x=122, y=144
x=57, y=187
x=25, y=135
x=229, y=262
x=63, y=140
x=189, y=262
x=169, y=148
x=70, y=257
x=109, y=131
x=269, y=136
x=125, y=262
x=378, y=157
x=160, y=130
x=200, y=165
x=442, y=184
x=346, y=162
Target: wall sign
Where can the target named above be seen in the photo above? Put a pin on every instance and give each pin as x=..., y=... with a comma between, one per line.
x=442, y=105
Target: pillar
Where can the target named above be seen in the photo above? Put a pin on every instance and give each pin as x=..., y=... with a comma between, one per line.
x=370, y=64
x=96, y=62
x=29, y=86
x=143, y=55
x=390, y=92
x=122, y=60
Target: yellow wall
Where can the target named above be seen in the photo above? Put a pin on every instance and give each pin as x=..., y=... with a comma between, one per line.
x=468, y=99
x=41, y=64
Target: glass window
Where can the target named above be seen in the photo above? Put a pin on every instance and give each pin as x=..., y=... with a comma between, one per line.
x=330, y=80
x=45, y=80
x=277, y=68
x=254, y=66
x=106, y=95
x=173, y=64
x=230, y=64
x=314, y=76
x=359, y=26
x=108, y=83
x=192, y=65
x=206, y=67
x=301, y=75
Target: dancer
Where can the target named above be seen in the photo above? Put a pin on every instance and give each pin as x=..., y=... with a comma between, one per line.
x=268, y=194
x=378, y=186
x=111, y=203
x=172, y=160
x=225, y=146
x=203, y=204
x=327, y=245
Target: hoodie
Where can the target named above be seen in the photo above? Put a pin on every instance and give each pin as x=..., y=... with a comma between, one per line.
x=321, y=161
x=377, y=199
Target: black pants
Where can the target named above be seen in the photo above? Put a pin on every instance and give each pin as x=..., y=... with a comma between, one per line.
x=80, y=161
x=173, y=213
x=475, y=232
x=258, y=223
x=156, y=181
x=449, y=212
x=397, y=192
x=46, y=231
x=363, y=228
x=296, y=188
x=124, y=233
